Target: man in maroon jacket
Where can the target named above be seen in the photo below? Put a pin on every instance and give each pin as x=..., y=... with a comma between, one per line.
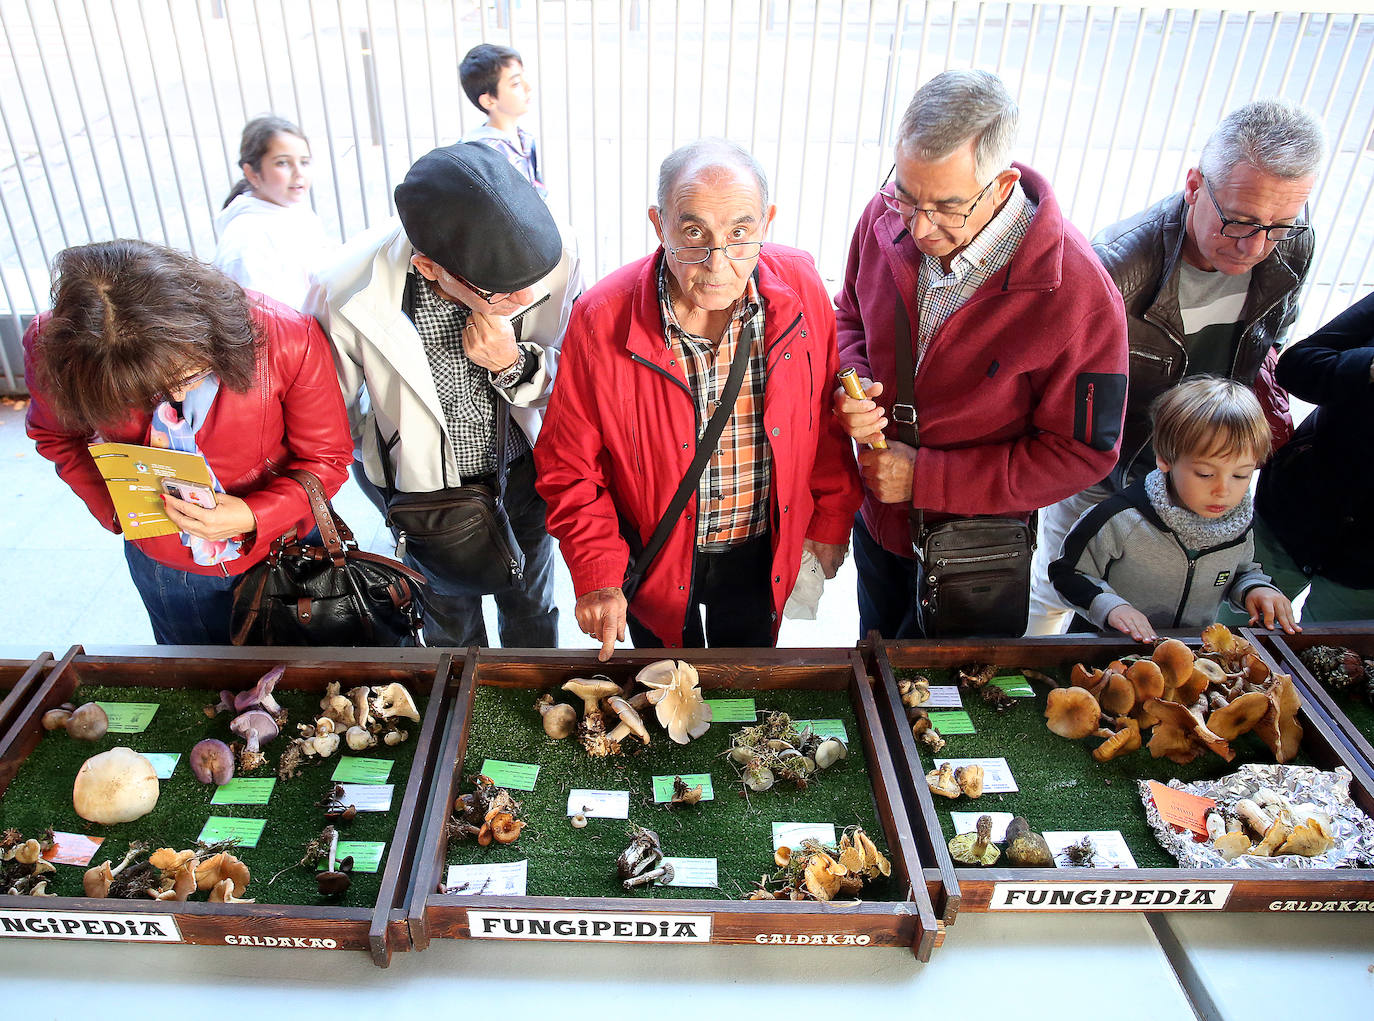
x=644, y=367
x=1018, y=340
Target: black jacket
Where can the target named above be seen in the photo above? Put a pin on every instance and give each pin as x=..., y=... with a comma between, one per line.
x=1318, y=492
x=1141, y=253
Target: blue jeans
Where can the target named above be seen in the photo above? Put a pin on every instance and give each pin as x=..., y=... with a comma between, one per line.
x=184, y=608
x=887, y=589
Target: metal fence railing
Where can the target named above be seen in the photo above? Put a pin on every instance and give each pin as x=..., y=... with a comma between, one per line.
x=121, y=117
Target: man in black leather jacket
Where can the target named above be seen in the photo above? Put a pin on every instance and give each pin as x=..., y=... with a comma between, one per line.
x=1210, y=277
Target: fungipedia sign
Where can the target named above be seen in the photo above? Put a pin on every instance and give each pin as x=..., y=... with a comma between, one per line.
x=590, y=926
x=92, y=925
x=1109, y=896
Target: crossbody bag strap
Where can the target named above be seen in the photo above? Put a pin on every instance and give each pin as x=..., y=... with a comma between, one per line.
x=904, y=411
x=705, y=446
x=333, y=531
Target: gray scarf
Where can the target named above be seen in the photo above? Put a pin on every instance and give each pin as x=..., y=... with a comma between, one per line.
x=1193, y=530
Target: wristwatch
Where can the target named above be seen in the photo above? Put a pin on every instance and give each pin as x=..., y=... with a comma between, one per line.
x=507, y=378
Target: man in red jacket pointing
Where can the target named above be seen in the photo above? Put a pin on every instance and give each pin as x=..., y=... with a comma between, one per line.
x=647, y=363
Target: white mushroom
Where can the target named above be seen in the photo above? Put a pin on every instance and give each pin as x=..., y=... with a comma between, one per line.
x=116, y=786
x=393, y=700
x=359, y=739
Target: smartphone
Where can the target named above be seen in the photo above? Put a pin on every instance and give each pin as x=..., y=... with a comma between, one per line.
x=192, y=492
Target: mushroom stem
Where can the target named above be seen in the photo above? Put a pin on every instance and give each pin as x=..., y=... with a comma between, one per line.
x=333, y=849
x=134, y=851
x=664, y=873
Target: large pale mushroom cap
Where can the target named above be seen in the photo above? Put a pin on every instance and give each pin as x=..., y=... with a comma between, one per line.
x=116, y=786
x=395, y=700
x=677, y=700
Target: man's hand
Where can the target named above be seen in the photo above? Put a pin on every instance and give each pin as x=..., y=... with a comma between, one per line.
x=1272, y=606
x=601, y=614
x=229, y=517
x=862, y=420
x=830, y=554
x=490, y=341
x=888, y=473
x=1130, y=621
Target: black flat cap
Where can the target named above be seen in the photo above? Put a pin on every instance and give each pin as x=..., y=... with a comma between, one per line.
x=475, y=215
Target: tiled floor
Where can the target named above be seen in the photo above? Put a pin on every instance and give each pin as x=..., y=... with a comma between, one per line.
x=63, y=579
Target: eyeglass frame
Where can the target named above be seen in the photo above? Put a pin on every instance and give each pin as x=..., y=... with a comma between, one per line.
x=1295, y=229
x=930, y=214
x=490, y=297
x=708, y=249
x=189, y=383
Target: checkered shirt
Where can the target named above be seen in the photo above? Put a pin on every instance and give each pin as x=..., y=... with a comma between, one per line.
x=464, y=387
x=939, y=294
x=733, y=492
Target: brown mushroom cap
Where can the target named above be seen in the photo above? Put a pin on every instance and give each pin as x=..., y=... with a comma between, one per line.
x=1279, y=727
x=96, y=882
x=1072, y=712
x=1173, y=743
x=560, y=719
x=1117, y=695
x=1081, y=677
x=630, y=721
x=88, y=723
x=1127, y=739
x=1147, y=678
x=1180, y=716
x=1240, y=716
x=1175, y=661
x=591, y=691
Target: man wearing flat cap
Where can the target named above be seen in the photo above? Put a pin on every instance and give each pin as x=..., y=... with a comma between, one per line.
x=441, y=320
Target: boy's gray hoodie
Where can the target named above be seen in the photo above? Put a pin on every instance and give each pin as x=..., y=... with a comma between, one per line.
x=1122, y=551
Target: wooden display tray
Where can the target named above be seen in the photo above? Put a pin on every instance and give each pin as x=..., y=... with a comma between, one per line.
x=906, y=923
x=1282, y=653
x=955, y=888
x=17, y=677
x=379, y=929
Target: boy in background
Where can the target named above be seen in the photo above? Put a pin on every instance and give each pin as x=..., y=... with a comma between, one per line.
x=1166, y=551
x=494, y=79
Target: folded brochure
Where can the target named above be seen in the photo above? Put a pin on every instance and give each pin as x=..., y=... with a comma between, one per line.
x=134, y=474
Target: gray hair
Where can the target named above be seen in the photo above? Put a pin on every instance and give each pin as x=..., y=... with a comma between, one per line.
x=1276, y=138
x=703, y=154
x=955, y=107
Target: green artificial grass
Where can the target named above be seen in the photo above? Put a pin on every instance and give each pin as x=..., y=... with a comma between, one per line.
x=1357, y=710
x=41, y=796
x=734, y=829
x=1061, y=786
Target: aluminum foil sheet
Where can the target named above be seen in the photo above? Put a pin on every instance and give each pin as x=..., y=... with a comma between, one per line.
x=1330, y=791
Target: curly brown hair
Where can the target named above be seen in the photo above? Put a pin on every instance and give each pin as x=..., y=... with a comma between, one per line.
x=130, y=321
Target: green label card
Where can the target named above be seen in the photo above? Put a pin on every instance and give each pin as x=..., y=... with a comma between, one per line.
x=518, y=776
x=164, y=763
x=244, y=790
x=732, y=710
x=367, y=855
x=218, y=827
x=1014, y=685
x=825, y=728
x=953, y=722
x=355, y=769
x=663, y=786
x=129, y=717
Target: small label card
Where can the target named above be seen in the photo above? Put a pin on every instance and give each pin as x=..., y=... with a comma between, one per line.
x=366, y=854
x=944, y=696
x=955, y=721
x=663, y=786
x=506, y=879
x=599, y=804
x=1109, y=848
x=129, y=717
x=517, y=776
x=164, y=763
x=824, y=728
x=1015, y=685
x=244, y=790
x=791, y=834
x=732, y=710
x=997, y=778
x=246, y=831
x=693, y=872
x=368, y=797
x=1181, y=809
x=967, y=822
x=355, y=769
x=73, y=849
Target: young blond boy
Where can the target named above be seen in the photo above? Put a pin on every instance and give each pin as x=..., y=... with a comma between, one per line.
x=494, y=79
x=1166, y=551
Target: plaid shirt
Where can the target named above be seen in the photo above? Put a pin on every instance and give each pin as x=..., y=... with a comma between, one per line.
x=939, y=294
x=732, y=494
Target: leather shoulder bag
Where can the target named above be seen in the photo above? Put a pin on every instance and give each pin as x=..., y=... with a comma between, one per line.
x=335, y=594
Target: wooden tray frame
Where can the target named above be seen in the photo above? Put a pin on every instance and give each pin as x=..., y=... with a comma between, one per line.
x=910, y=923
x=17, y=677
x=379, y=929
x=954, y=889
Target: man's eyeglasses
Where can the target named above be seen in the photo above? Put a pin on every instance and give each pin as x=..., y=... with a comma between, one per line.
x=1239, y=230
x=738, y=251
x=938, y=217
x=490, y=297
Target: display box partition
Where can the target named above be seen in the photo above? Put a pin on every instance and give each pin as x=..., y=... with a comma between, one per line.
x=498, y=691
x=1155, y=888
x=378, y=927
x=1350, y=717
x=17, y=678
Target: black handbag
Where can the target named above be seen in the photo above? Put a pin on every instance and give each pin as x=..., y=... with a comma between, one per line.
x=462, y=535
x=335, y=594
x=974, y=572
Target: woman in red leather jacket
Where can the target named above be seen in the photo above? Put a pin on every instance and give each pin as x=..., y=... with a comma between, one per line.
x=146, y=345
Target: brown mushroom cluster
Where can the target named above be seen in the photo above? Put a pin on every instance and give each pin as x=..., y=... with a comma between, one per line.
x=488, y=814
x=24, y=872
x=86, y=723
x=172, y=875
x=810, y=872
x=1188, y=704
x=949, y=782
x=358, y=719
x=673, y=690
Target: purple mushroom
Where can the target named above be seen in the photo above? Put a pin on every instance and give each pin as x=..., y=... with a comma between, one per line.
x=226, y=703
x=212, y=762
x=260, y=694
x=256, y=728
